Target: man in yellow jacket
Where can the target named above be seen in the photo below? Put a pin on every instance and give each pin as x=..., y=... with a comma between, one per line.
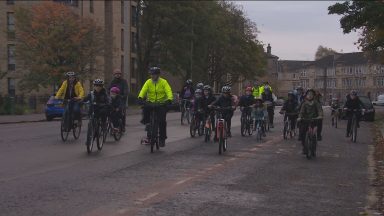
x=72, y=90
x=156, y=90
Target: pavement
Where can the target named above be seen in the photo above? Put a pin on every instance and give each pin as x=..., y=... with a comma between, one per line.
x=41, y=175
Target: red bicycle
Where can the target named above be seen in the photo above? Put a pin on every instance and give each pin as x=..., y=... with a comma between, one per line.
x=221, y=128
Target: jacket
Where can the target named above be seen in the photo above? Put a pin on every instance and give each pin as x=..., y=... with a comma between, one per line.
x=246, y=100
x=311, y=109
x=99, y=98
x=182, y=93
x=62, y=92
x=122, y=85
x=117, y=102
x=156, y=92
x=290, y=106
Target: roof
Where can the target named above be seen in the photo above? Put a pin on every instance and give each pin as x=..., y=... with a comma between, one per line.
x=356, y=58
x=291, y=65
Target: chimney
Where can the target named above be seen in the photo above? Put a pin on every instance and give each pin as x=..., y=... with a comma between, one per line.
x=269, y=49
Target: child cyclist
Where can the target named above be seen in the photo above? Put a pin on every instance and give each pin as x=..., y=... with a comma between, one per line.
x=310, y=109
x=99, y=100
x=259, y=113
x=197, y=106
x=290, y=109
x=117, y=106
x=246, y=102
x=225, y=101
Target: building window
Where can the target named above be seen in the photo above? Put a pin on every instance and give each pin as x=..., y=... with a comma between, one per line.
x=294, y=76
x=133, y=42
x=11, y=57
x=134, y=16
x=10, y=22
x=122, y=64
x=91, y=6
x=133, y=68
x=122, y=11
x=10, y=2
x=74, y=3
x=379, y=81
x=11, y=87
x=122, y=39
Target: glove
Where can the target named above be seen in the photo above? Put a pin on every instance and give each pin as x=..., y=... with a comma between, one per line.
x=140, y=101
x=168, y=102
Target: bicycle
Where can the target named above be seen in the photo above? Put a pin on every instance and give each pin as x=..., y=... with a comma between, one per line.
x=288, y=131
x=268, y=105
x=185, y=110
x=197, y=124
x=259, y=128
x=153, y=129
x=116, y=134
x=67, y=121
x=208, y=129
x=353, y=128
x=310, y=143
x=221, y=128
x=97, y=130
x=246, y=121
x=335, y=117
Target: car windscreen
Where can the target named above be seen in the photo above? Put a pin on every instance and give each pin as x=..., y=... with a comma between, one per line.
x=367, y=103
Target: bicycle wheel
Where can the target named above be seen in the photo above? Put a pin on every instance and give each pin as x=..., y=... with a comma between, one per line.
x=258, y=134
x=77, y=130
x=101, y=131
x=182, y=115
x=336, y=120
x=207, y=134
x=154, y=133
x=221, y=141
x=307, y=146
x=354, y=129
x=242, y=127
x=64, y=129
x=90, y=136
x=285, y=130
x=192, y=127
x=117, y=135
x=313, y=146
x=200, y=127
x=188, y=113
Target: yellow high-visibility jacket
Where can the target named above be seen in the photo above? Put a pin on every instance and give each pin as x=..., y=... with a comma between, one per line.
x=79, y=91
x=261, y=89
x=156, y=92
x=256, y=91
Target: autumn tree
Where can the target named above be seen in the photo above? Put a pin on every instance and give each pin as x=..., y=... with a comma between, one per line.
x=366, y=16
x=323, y=51
x=51, y=40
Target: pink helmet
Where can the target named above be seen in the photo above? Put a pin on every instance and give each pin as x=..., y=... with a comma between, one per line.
x=115, y=90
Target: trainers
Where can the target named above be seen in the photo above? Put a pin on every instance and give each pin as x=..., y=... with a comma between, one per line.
x=161, y=142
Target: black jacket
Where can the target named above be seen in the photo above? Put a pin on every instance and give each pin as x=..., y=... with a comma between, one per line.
x=246, y=100
x=99, y=98
x=117, y=102
x=183, y=92
x=290, y=106
x=122, y=85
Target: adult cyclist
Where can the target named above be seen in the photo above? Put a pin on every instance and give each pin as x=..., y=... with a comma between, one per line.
x=156, y=90
x=267, y=97
x=119, y=82
x=353, y=103
x=71, y=89
x=186, y=95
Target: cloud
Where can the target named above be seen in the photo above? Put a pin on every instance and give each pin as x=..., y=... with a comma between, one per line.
x=296, y=28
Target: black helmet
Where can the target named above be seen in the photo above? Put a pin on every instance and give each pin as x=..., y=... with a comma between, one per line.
x=98, y=82
x=154, y=70
x=188, y=82
x=310, y=90
x=207, y=87
x=226, y=89
x=70, y=74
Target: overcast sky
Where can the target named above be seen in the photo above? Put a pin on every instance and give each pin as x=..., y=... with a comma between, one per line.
x=296, y=28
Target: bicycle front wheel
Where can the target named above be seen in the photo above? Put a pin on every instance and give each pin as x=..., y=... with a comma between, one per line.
x=117, y=135
x=76, y=131
x=221, y=141
x=285, y=130
x=192, y=128
x=354, y=130
x=242, y=127
x=64, y=129
x=307, y=146
x=90, y=136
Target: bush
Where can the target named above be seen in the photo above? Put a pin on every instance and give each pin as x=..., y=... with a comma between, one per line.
x=10, y=107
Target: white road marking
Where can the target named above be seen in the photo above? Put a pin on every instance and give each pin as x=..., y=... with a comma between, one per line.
x=149, y=196
x=184, y=180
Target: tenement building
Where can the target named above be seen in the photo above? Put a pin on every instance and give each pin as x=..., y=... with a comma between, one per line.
x=118, y=18
x=334, y=76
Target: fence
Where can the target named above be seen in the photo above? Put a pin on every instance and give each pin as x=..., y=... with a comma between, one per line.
x=20, y=104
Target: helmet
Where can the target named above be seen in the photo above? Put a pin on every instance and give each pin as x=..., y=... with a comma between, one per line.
x=354, y=92
x=117, y=71
x=70, y=74
x=98, y=82
x=199, y=85
x=207, y=87
x=188, y=82
x=154, y=70
x=310, y=90
x=226, y=89
x=249, y=88
x=115, y=90
x=299, y=88
x=198, y=91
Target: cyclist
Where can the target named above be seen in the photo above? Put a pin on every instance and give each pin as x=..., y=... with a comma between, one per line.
x=71, y=89
x=200, y=85
x=207, y=99
x=263, y=87
x=122, y=84
x=353, y=103
x=198, y=107
x=290, y=106
x=246, y=101
x=117, y=107
x=335, y=107
x=187, y=93
x=267, y=97
x=99, y=99
x=259, y=111
x=156, y=90
x=300, y=96
x=225, y=101
x=255, y=89
x=310, y=109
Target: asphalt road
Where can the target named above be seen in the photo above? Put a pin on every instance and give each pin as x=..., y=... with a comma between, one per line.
x=41, y=175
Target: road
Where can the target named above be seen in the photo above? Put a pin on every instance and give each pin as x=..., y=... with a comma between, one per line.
x=41, y=175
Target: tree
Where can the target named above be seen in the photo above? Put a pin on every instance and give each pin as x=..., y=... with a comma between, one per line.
x=323, y=51
x=205, y=40
x=51, y=40
x=367, y=16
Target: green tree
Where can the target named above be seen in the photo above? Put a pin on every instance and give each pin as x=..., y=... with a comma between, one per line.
x=367, y=16
x=323, y=51
x=52, y=39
